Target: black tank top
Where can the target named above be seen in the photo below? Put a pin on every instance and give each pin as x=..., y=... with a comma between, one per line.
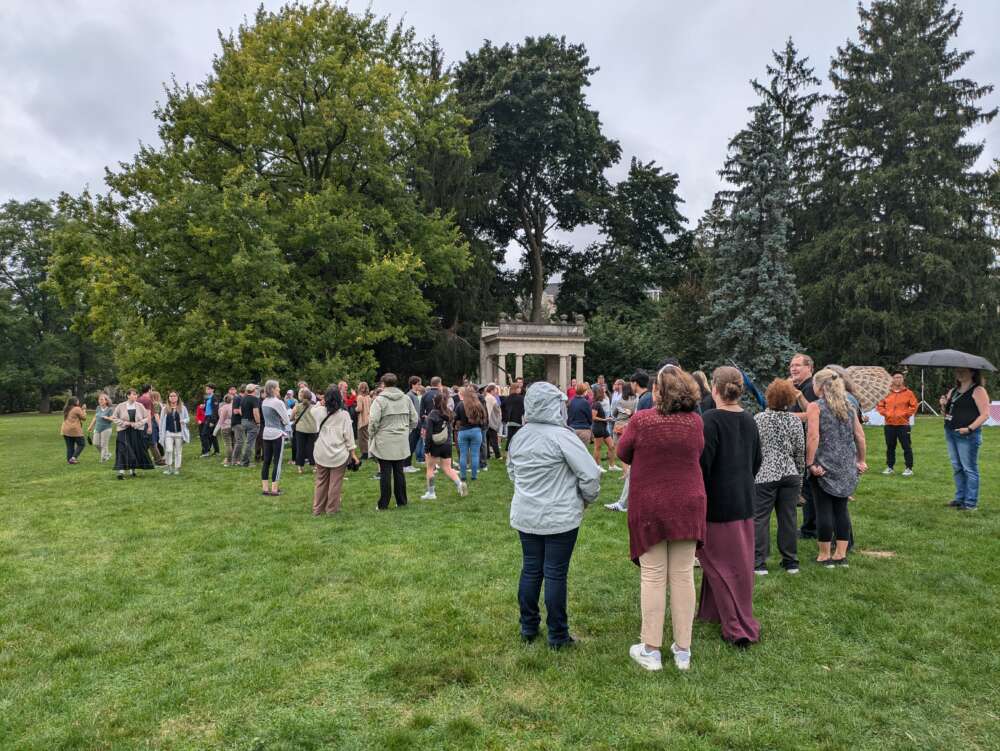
x=962, y=409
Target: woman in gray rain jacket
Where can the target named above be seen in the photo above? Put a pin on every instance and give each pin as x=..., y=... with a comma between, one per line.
x=554, y=478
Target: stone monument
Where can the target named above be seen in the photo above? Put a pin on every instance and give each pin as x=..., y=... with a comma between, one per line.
x=559, y=342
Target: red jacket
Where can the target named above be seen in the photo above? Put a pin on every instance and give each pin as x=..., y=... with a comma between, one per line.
x=199, y=413
x=666, y=496
x=898, y=407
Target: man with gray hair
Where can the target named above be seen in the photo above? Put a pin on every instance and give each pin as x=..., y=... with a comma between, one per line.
x=801, y=371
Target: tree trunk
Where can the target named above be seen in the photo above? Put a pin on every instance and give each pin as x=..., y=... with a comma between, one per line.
x=537, y=281
x=44, y=405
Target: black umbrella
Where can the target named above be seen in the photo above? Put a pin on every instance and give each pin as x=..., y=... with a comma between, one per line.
x=948, y=358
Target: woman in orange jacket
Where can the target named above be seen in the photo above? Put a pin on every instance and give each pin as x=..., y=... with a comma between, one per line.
x=899, y=405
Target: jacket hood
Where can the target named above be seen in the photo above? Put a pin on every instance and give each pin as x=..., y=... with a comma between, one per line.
x=393, y=394
x=545, y=403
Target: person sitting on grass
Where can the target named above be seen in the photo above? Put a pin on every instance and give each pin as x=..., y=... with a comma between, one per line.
x=555, y=478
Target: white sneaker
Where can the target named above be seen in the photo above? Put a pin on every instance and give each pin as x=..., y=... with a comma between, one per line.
x=410, y=470
x=429, y=496
x=682, y=657
x=648, y=660
x=616, y=506
x=615, y=468
x=463, y=489
x=603, y=470
x=888, y=471
x=760, y=572
x=907, y=472
x=167, y=472
x=793, y=570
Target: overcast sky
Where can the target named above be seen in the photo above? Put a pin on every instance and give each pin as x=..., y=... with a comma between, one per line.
x=81, y=77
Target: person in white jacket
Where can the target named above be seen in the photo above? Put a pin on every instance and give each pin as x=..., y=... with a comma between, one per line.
x=174, y=432
x=555, y=478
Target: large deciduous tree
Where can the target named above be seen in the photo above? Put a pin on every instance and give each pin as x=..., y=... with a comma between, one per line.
x=276, y=228
x=42, y=353
x=544, y=152
x=901, y=259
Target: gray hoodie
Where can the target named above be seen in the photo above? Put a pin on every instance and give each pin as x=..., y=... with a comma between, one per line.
x=554, y=475
x=392, y=419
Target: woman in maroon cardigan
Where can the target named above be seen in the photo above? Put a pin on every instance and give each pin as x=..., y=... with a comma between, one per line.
x=666, y=511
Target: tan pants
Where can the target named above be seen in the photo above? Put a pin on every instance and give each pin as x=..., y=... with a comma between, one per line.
x=329, y=481
x=362, y=440
x=672, y=559
x=584, y=435
x=102, y=441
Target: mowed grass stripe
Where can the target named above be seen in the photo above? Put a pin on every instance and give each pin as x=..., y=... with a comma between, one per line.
x=193, y=613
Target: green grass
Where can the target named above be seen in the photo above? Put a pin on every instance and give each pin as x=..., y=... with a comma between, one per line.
x=193, y=613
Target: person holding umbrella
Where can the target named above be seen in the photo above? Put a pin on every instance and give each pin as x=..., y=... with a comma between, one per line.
x=966, y=407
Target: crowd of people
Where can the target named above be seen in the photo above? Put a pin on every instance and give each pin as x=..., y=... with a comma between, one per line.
x=702, y=476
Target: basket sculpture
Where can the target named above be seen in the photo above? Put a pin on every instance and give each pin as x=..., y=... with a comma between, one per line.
x=871, y=384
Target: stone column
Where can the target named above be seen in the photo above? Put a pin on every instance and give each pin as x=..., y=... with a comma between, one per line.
x=518, y=365
x=501, y=372
x=552, y=369
x=563, y=372
x=579, y=368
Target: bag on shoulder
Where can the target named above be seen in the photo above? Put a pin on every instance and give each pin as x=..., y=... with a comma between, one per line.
x=441, y=436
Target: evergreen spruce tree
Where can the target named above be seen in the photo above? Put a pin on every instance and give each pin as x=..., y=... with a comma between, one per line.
x=752, y=297
x=901, y=259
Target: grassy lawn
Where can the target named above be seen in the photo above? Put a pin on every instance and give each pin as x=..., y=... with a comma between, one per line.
x=193, y=613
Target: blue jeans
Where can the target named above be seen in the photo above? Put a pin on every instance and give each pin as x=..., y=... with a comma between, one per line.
x=963, y=450
x=469, y=441
x=546, y=557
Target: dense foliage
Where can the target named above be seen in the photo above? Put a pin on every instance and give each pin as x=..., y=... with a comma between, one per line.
x=334, y=199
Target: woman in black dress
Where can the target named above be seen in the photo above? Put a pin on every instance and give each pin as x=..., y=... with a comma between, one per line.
x=133, y=421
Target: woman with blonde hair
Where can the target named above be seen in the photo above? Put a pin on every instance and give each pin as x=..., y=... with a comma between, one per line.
x=729, y=463
x=705, y=401
x=835, y=457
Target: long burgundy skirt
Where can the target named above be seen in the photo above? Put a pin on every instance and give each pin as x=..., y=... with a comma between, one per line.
x=727, y=580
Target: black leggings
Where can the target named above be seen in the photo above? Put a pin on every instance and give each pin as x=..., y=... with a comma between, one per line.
x=74, y=446
x=832, y=518
x=511, y=432
x=273, y=449
x=304, y=443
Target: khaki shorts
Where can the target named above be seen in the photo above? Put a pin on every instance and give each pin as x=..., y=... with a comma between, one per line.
x=584, y=435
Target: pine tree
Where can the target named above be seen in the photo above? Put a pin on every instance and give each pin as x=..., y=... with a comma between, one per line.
x=901, y=259
x=752, y=297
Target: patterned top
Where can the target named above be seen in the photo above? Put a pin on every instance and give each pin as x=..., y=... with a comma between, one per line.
x=837, y=452
x=783, y=445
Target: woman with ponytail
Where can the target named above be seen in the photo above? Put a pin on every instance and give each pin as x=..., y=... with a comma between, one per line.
x=835, y=457
x=729, y=464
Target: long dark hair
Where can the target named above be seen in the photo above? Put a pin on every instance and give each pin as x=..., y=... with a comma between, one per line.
x=332, y=399
x=70, y=403
x=474, y=411
x=442, y=403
